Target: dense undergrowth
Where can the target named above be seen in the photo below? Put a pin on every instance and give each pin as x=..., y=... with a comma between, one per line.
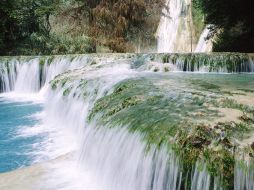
x=49, y=27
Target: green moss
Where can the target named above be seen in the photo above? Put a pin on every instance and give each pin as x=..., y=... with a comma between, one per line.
x=165, y=58
x=67, y=91
x=205, y=85
x=229, y=103
x=247, y=90
x=232, y=62
x=59, y=81
x=54, y=84
x=168, y=118
x=198, y=19
x=50, y=59
x=193, y=145
x=152, y=57
x=42, y=62
x=221, y=163
x=173, y=111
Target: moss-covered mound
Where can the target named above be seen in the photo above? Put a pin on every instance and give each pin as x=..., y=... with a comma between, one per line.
x=187, y=114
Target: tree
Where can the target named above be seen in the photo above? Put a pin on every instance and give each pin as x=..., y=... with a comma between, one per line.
x=8, y=22
x=26, y=25
x=20, y=19
x=117, y=23
x=44, y=9
x=232, y=23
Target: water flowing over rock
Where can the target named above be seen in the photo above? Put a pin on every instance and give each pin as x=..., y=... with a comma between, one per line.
x=204, y=44
x=174, y=31
x=14, y=72
x=130, y=115
x=244, y=175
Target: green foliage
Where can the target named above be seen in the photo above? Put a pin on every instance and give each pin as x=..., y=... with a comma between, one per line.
x=232, y=23
x=59, y=44
x=198, y=18
x=31, y=27
x=118, y=25
x=20, y=19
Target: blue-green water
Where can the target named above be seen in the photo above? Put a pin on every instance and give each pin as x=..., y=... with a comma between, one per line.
x=17, y=150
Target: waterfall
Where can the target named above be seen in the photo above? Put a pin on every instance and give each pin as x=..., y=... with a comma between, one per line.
x=7, y=75
x=216, y=62
x=204, y=45
x=112, y=156
x=25, y=83
x=174, y=32
x=30, y=76
x=244, y=175
x=127, y=166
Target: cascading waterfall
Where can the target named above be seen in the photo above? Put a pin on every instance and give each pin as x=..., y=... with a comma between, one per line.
x=113, y=156
x=135, y=169
x=25, y=83
x=29, y=76
x=7, y=76
x=202, y=180
x=220, y=63
x=244, y=175
x=127, y=165
x=174, y=32
x=204, y=45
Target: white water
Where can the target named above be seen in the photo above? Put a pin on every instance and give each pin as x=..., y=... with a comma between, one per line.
x=29, y=77
x=174, y=34
x=103, y=158
x=126, y=166
x=244, y=176
x=204, y=45
x=112, y=158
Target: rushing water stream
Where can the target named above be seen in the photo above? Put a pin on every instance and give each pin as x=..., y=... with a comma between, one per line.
x=98, y=125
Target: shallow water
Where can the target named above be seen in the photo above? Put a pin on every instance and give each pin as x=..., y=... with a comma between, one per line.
x=17, y=150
